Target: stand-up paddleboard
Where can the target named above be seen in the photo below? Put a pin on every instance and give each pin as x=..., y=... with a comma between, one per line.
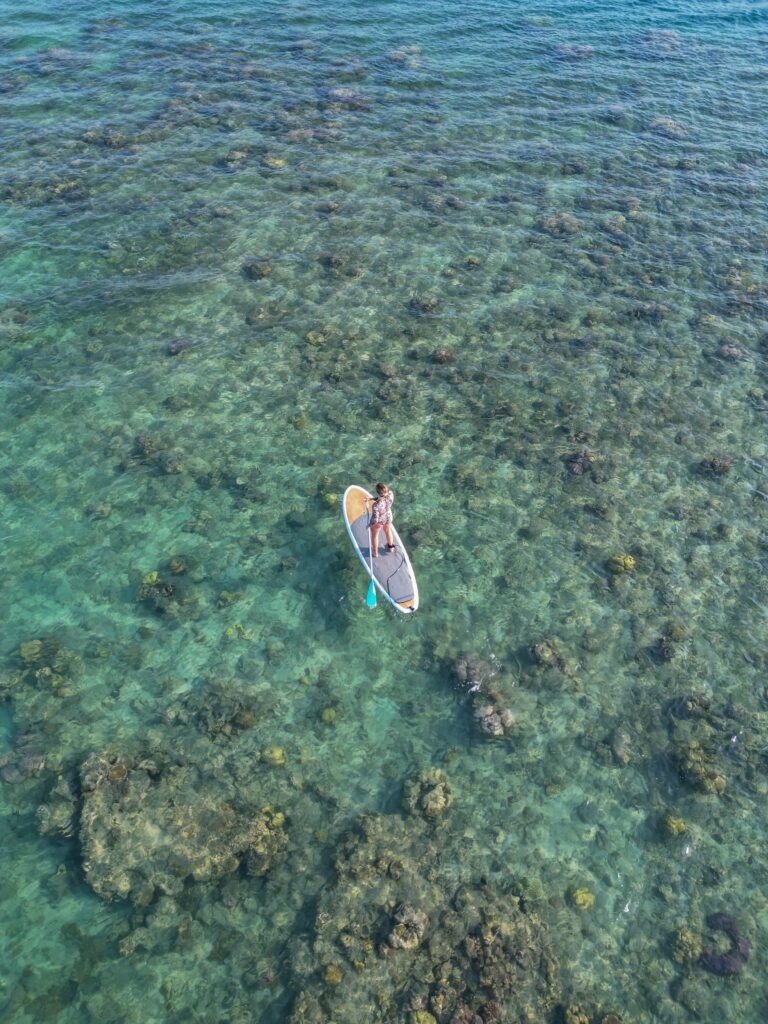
x=392, y=570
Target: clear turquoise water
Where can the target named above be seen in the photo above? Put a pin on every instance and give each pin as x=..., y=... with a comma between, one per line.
x=591, y=224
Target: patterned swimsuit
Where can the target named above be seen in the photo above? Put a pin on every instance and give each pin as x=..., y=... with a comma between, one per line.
x=381, y=511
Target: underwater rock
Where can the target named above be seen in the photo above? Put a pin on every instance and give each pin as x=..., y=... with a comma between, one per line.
x=732, y=353
x=687, y=946
x=473, y=673
x=668, y=644
x=257, y=269
x=690, y=705
x=666, y=648
x=346, y=99
x=620, y=564
x=659, y=42
x=302, y=47
x=583, y=899
x=668, y=128
x=409, y=56
x=31, y=651
x=408, y=927
x=48, y=666
x=429, y=794
x=159, y=595
x=576, y=165
x=146, y=829
x=716, y=466
x=489, y=722
x=58, y=815
x=698, y=766
x=177, y=346
x=621, y=747
x=442, y=355
x=572, y=51
x=339, y=264
x=673, y=827
x=733, y=961
x=655, y=312
x=147, y=445
x=506, y=718
x=332, y=975
x=421, y=1017
x=546, y=654
x=274, y=756
x=464, y=1015
x=233, y=159
x=422, y=303
x=580, y=463
x=490, y=1012
x=560, y=224
x=265, y=839
x=23, y=762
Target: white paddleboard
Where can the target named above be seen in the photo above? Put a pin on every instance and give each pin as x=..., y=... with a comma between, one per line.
x=392, y=573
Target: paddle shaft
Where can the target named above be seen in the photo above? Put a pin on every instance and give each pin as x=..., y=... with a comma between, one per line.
x=371, y=596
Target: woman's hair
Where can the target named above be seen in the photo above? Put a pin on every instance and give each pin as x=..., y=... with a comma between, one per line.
x=381, y=489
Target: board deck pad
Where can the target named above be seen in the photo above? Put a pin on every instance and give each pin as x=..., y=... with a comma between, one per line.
x=389, y=567
x=392, y=570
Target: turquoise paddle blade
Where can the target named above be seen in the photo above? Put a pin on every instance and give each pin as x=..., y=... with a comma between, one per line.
x=371, y=597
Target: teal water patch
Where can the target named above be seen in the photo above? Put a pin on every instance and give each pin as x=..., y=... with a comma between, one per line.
x=510, y=261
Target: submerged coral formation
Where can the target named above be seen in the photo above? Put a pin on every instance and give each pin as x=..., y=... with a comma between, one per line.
x=522, y=280
x=429, y=795
x=475, y=954
x=145, y=828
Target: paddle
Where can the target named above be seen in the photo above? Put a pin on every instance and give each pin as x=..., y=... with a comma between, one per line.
x=370, y=599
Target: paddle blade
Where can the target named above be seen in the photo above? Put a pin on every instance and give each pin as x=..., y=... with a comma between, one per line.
x=370, y=599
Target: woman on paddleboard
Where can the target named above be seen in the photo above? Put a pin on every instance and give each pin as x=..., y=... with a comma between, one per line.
x=381, y=516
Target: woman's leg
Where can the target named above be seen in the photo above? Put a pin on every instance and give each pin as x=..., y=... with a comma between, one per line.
x=375, y=527
x=388, y=534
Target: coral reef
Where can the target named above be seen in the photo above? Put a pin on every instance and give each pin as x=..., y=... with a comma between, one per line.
x=499, y=290
x=146, y=828
x=418, y=944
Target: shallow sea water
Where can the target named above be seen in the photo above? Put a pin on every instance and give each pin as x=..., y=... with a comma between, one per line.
x=508, y=258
